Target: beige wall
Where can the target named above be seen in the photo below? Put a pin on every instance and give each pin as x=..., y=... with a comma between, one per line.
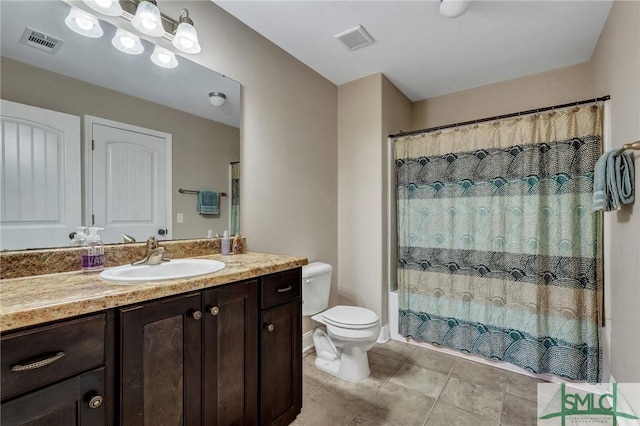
x=616, y=68
x=396, y=117
x=535, y=91
x=198, y=144
x=360, y=193
x=289, y=198
x=368, y=110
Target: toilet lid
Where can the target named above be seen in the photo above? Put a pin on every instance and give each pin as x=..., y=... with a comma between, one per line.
x=350, y=316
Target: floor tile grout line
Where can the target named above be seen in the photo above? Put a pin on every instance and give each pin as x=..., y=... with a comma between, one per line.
x=455, y=362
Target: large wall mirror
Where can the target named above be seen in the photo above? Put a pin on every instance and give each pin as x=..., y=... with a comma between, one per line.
x=112, y=95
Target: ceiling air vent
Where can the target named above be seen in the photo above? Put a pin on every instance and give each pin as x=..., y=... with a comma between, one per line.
x=40, y=40
x=355, y=38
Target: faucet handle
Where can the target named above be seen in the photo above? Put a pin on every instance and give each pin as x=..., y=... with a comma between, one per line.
x=152, y=243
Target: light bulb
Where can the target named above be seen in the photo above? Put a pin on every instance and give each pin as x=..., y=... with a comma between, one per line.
x=147, y=19
x=163, y=58
x=106, y=7
x=186, y=38
x=83, y=23
x=126, y=42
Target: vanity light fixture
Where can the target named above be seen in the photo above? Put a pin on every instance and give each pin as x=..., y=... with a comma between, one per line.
x=83, y=23
x=186, y=37
x=217, y=99
x=107, y=7
x=164, y=58
x=147, y=19
x=127, y=42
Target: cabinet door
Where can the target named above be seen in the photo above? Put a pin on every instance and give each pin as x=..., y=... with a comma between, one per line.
x=281, y=363
x=72, y=402
x=230, y=355
x=161, y=362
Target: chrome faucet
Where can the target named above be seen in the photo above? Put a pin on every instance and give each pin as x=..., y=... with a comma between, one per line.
x=154, y=255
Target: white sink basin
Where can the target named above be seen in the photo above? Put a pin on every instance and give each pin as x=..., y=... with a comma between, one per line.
x=176, y=268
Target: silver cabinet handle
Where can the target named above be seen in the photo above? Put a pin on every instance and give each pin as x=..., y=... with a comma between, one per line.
x=214, y=310
x=269, y=327
x=197, y=315
x=95, y=401
x=38, y=364
x=284, y=289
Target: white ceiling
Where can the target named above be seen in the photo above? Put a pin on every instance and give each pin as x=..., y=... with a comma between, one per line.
x=424, y=53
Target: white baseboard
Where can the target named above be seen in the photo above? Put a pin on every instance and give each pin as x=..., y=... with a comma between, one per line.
x=307, y=341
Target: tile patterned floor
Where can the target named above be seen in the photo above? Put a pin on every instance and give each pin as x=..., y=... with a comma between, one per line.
x=410, y=385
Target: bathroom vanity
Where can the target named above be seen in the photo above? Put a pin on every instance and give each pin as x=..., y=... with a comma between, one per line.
x=218, y=349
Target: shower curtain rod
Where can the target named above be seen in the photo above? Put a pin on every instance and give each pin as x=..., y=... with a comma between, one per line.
x=498, y=117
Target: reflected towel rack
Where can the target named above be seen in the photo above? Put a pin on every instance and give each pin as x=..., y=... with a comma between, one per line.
x=634, y=145
x=190, y=191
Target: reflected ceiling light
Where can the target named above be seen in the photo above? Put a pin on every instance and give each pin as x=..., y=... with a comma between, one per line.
x=107, y=7
x=454, y=8
x=186, y=37
x=127, y=42
x=147, y=19
x=217, y=98
x=83, y=23
x=164, y=58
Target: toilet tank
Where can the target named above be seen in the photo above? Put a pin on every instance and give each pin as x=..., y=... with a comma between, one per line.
x=316, y=283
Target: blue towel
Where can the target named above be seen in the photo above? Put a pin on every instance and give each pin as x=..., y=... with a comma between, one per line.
x=613, y=181
x=208, y=202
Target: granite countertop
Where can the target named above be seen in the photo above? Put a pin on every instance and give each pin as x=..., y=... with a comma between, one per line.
x=43, y=298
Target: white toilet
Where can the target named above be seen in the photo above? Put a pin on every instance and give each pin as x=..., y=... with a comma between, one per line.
x=348, y=332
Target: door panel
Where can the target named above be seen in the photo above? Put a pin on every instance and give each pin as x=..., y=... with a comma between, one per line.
x=39, y=176
x=161, y=362
x=129, y=183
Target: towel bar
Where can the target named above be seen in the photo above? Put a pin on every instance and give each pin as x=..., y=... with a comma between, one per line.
x=634, y=145
x=190, y=191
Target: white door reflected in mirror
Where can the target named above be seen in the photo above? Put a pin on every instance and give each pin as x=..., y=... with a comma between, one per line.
x=130, y=171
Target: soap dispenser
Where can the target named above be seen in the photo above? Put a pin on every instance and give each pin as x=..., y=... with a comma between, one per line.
x=92, y=252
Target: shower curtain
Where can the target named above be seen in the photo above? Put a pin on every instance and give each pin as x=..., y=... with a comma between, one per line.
x=499, y=252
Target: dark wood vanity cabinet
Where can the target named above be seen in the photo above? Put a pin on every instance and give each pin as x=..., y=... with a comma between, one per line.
x=281, y=348
x=57, y=374
x=227, y=355
x=161, y=362
x=230, y=371
x=191, y=359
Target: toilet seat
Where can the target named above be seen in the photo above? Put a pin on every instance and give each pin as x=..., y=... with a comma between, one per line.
x=351, y=317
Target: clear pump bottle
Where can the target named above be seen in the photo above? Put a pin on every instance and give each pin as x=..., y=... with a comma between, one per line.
x=92, y=252
x=225, y=247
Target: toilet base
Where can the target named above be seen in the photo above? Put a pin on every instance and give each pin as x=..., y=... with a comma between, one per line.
x=349, y=363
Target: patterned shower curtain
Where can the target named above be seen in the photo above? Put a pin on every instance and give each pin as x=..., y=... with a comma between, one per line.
x=499, y=252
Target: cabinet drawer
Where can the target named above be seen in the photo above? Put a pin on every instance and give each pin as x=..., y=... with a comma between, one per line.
x=281, y=287
x=44, y=355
